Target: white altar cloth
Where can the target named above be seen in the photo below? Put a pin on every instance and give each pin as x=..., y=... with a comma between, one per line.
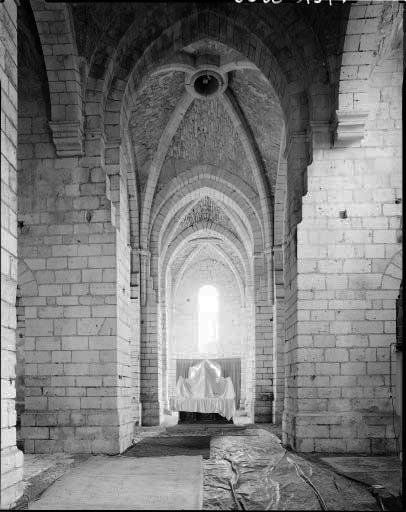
x=205, y=391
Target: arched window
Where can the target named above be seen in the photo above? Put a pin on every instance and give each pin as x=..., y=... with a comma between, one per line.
x=208, y=317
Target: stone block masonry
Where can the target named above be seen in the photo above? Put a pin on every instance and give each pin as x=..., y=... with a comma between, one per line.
x=78, y=342
x=11, y=458
x=263, y=343
x=120, y=172
x=348, y=277
x=71, y=382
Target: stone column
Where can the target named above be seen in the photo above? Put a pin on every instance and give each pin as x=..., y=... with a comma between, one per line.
x=151, y=348
x=297, y=157
x=263, y=339
x=278, y=335
x=136, y=334
x=164, y=341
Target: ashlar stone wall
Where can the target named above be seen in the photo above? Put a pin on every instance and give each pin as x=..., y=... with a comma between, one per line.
x=70, y=345
x=78, y=340
x=340, y=339
x=11, y=457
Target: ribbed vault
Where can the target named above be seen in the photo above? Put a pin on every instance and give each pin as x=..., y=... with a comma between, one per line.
x=204, y=171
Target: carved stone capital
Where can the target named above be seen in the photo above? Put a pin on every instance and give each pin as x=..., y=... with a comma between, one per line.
x=349, y=126
x=67, y=137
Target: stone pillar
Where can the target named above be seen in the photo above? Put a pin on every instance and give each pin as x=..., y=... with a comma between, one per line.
x=297, y=157
x=11, y=457
x=344, y=326
x=263, y=340
x=136, y=333
x=77, y=347
x=165, y=353
x=151, y=347
x=278, y=335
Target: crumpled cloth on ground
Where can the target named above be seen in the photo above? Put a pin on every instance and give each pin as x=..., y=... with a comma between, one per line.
x=205, y=391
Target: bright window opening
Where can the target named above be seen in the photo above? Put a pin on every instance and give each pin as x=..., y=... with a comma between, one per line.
x=208, y=317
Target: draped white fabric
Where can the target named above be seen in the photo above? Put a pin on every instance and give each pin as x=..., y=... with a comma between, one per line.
x=205, y=391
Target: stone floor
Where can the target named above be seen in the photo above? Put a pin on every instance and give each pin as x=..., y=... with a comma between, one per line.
x=127, y=483
x=248, y=469
x=42, y=470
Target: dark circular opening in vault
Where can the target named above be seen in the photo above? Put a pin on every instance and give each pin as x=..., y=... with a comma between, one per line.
x=206, y=84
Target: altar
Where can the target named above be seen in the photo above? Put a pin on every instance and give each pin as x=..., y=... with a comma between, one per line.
x=205, y=391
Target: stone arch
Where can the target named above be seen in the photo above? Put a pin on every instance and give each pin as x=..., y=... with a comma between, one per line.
x=259, y=47
x=117, y=97
x=231, y=186
x=196, y=26
x=213, y=230
x=55, y=28
x=249, y=147
x=252, y=155
x=197, y=192
x=223, y=255
x=172, y=228
x=230, y=107
x=365, y=33
x=159, y=158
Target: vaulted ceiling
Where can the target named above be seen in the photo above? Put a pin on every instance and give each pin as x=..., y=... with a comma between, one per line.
x=205, y=167
x=224, y=133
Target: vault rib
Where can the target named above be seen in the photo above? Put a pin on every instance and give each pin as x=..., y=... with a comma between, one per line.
x=158, y=160
x=237, y=119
